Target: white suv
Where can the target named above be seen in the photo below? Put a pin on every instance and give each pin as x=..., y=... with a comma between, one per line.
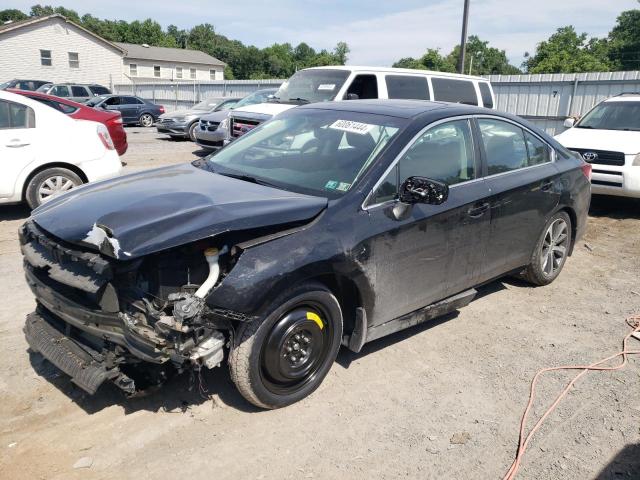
x=608, y=137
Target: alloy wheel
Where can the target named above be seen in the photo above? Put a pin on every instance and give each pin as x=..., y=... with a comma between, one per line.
x=146, y=120
x=54, y=186
x=554, y=247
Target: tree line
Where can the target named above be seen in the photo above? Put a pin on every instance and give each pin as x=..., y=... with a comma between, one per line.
x=566, y=51
x=280, y=60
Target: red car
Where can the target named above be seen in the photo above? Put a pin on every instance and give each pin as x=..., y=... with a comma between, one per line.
x=112, y=120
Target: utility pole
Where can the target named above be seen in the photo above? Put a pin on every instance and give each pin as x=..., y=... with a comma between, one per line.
x=463, y=39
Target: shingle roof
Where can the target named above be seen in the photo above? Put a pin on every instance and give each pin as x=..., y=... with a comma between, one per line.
x=15, y=24
x=177, y=55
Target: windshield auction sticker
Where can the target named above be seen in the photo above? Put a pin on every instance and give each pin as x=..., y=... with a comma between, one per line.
x=327, y=86
x=352, y=127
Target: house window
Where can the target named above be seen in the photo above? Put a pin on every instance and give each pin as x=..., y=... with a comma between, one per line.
x=192, y=72
x=212, y=74
x=74, y=60
x=156, y=71
x=133, y=70
x=178, y=72
x=45, y=58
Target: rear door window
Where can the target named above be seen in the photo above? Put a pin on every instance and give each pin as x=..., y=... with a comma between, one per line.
x=485, y=92
x=14, y=115
x=454, y=90
x=504, y=146
x=131, y=101
x=407, y=86
x=98, y=90
x=78, y=91
x=537, y=149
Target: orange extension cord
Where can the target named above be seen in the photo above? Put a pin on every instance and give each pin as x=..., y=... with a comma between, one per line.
x=634, y=323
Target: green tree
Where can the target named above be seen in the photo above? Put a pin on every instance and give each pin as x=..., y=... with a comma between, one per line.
x=409, y=62
x=481, y=59
x=624, y=41
x=12, y=14
x=567, y=52
x=341, y=52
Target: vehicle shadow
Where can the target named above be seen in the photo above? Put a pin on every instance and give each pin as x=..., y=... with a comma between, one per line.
x=201, y=152
x=180, y=393
x=346, y=356
x=626, y=464
x=14, y=212
x=615, y=207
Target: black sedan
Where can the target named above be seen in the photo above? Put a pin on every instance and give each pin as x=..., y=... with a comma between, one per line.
x=134, y=110
x=332, y=224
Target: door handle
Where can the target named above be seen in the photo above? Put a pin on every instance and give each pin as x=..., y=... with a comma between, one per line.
x=546, y=186
x=16, y=144
x=478, y=210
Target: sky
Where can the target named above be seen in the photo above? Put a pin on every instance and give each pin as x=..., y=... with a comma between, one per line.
x=377, y=32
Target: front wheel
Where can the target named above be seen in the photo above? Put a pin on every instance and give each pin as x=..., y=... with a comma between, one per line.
x=551, y=251
x=146, y=120
x=282, y=358
x=192, y=131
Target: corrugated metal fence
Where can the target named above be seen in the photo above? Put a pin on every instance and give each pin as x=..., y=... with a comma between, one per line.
x=545, y=99
x=175, y=95
x=548, y=99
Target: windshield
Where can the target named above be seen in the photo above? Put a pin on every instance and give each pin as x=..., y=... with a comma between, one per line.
x=208, y=104
x=4, y=85
x=94, y=101
x=257, y=97
x=308, y=86
x=318, y=152
x=613, y=116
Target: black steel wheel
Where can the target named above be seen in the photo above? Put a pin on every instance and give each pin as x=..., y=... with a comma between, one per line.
x=280, y=360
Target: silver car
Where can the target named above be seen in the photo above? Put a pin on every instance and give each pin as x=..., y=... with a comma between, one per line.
x=183, y=123
x=73, y=91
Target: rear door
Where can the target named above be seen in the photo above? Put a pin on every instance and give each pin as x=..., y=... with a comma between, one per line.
x=523, y=180
x=80, y=93
x=431, y=251
x=17, y=135
x=130, y=108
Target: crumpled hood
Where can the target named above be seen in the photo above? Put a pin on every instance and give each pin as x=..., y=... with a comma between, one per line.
x=146, y=212
x=627, y=142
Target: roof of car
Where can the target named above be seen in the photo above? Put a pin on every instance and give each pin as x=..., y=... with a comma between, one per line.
x=394, y=108
x=625, y=97
x=360, y=68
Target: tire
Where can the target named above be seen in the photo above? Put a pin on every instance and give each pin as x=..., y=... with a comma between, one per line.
x=146, y=120
x=55, y=180
x=268, y=362
x=547, y=264
x=192, y=131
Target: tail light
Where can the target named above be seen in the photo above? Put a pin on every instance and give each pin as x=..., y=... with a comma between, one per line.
x=105, y=138
x=586, y=169
x=116, y=120
x=161, y=109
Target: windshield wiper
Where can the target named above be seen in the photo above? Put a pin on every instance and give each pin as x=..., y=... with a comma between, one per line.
x=584, y=126
x=248, y=178
x=298, y=99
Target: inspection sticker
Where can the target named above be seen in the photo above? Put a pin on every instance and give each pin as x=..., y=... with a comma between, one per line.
x=352, y=127
x=327, y=86
x=343, y=187
x=331, y=185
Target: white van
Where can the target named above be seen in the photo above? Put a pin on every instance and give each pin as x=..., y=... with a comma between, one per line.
x=324, y=84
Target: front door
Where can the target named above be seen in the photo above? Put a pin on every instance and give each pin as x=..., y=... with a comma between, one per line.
x=17, y=130
x=429, y=252
x=524, y=193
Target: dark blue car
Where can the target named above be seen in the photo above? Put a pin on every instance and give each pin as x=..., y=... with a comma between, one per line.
x=134, y=110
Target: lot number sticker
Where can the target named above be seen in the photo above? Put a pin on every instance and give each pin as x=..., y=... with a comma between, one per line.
x=352, y=127
x=327, y=86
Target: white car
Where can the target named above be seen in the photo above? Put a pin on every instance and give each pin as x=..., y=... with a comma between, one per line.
x=45, y=153
x=608, y=137
x=336, y=83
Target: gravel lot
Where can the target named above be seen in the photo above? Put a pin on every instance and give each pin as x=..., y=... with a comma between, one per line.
x=443, y=400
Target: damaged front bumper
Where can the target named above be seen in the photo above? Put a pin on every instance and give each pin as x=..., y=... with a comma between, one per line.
x=87, y=324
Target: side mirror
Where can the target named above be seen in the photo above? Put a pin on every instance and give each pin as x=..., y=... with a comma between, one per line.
x=423, y=190
x=351, y=96
x=569, y=122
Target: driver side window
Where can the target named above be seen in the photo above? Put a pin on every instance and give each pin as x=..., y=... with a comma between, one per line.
x=444, y=153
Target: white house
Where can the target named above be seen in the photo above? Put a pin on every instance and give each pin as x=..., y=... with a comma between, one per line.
x=55, y=49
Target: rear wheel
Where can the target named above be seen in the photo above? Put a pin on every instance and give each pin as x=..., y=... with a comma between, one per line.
x=551, y=251
x=279, y=360
x=146, y=120
x=50, y=183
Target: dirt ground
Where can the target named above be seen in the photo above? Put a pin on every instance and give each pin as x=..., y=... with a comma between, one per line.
x=442, y=400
